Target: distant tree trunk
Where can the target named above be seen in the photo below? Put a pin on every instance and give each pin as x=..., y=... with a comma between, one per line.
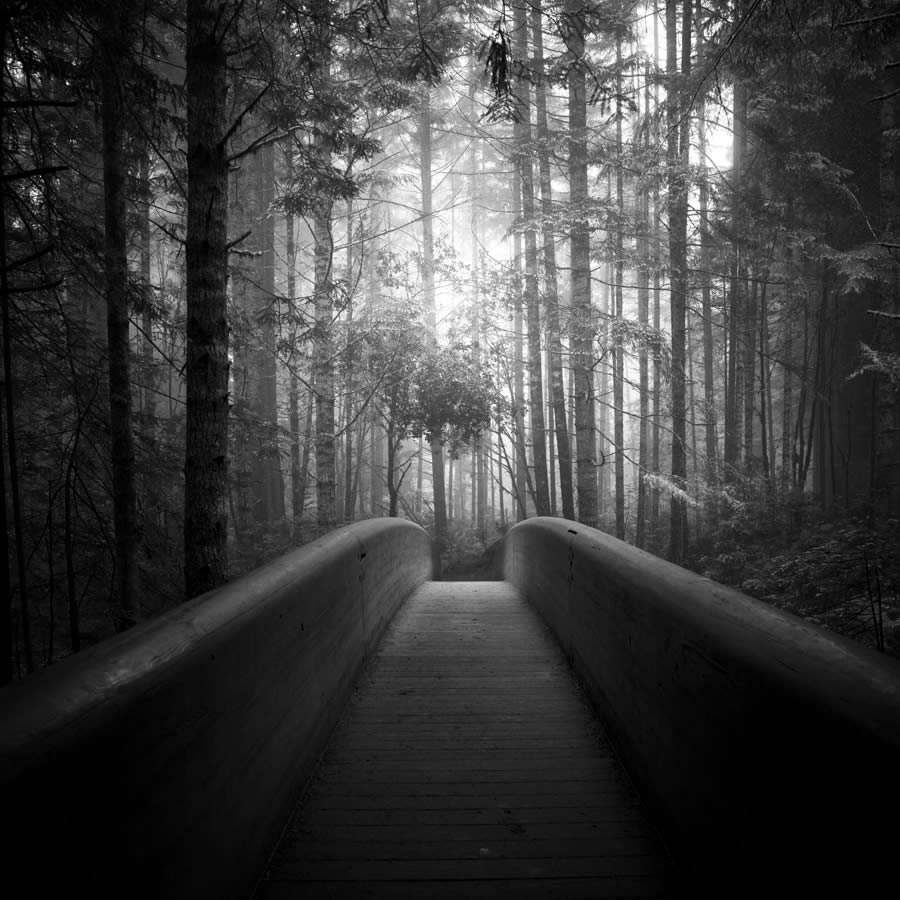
x=551, y=443
x=642, y=203
x=618, y=343
x=518, y=412
x=393, y=487
x=423, y=122
x=423, y=133
x=9, y=399
x=678, y=146
x=787, y=392
x=206, y=256
x=706, y=247
x=886, y=455
x=606, y=313
x=323, y=356
x=481, y=445
x=297, y=498
x=270, y=505
x=657, y=267
x=308, y=442
x=114, y=39
x=765, y=386
x=349, y=366
x=692, y=409
x=749, y=370
x=376, y=483
x=735, y=317
x=451, y=499
x=551, y=290
x=532, y=302
x=148, y=406
x=580, y=261
x=294, y=429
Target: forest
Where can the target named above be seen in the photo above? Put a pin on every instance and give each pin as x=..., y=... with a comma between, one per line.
x=273, y=266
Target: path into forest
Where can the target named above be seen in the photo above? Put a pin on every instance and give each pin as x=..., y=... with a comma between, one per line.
x=468, y=765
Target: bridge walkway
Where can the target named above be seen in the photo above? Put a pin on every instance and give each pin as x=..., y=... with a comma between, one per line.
x=468, y=765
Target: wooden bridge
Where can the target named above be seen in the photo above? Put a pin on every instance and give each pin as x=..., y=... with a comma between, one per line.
x=598, y=723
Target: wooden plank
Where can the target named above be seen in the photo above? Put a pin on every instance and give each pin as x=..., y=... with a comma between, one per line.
x=613, y=844
x=487, y=833
x=650, y=887
x=468, y=764
x=519, y=818
x=485, y=868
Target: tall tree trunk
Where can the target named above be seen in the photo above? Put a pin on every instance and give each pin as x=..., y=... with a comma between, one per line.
x=765, y=388
x=518, y=412
x=206, y=256
x=551, y=443
x=580, y=262
x=532, y=302
x=787, y=391
x=114, y=38
x=618, y=343
x=308, y=442
x=423, y=122
x=9, y=398
x=297, y=498
x=270, y=502
x=678, y=154
x=551, y=288
x=749, y=370
x=606, y=312
x=148, y=406
x=642, y=204
x=706, y=247
x=886, y=453
x=657, y=268
x=349, y=369
x=323, y=355
x=736, y=312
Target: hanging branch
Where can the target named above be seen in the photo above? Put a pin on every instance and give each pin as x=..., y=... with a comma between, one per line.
x=496, y=51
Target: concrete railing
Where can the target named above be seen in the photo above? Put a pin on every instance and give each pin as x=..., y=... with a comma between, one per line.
x=767, y=749
x=165, y=761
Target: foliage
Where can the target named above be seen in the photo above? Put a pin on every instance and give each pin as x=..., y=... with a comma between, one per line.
x=464, y=550
x=454, y=396
x=837, y=568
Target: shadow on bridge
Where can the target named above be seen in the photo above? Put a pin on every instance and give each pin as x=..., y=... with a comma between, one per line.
x=461, y=758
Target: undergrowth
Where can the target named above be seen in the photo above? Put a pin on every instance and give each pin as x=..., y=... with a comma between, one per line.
x=838, y=568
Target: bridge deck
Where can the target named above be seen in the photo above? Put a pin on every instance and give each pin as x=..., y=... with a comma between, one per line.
x=468, y=765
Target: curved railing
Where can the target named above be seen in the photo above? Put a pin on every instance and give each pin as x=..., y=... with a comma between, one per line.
x=766, y=748
x=165, y=761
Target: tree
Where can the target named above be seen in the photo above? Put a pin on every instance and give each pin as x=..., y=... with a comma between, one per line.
x=580, y=261
x=206, y=258
x=678, y=121
x=551, y=292
x=115, y=39
x=532, y=307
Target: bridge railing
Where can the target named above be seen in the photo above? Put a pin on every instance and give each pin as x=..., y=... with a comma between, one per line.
x=767, y=749
x=165, y=761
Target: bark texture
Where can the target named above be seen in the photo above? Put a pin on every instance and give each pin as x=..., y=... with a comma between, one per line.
x=206, y=458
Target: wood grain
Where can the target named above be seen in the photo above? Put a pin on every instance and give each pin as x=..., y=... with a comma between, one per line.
x=468, y=765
